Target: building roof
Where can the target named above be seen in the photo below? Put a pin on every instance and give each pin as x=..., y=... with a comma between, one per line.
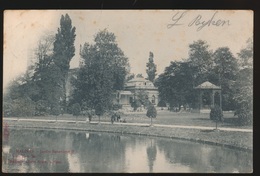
x=207, y=85
x=139, y=83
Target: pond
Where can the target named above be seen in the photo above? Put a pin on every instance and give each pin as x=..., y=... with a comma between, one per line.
x=29, y=150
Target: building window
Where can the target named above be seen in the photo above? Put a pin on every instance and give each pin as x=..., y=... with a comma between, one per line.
x=153, y=99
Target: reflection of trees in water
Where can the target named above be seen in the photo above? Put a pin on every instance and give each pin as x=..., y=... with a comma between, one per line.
x=38, y=140
x=97, y=153
x=204, y=158
x=106, y=152
x=101, y=152
x=182, y=153
x=237, y=161
x=151, y=154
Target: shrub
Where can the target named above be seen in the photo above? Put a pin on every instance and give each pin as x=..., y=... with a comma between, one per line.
x=116, y=107
x=90, y=113
x=216, y=114
x=56, y=110
x=42, y=108
x=76, y=109
x=7, y=109
x=23, y=106
x=151, y=112
x=245, y=116
x=136, y=104
x=162, y=104
x=147, y=103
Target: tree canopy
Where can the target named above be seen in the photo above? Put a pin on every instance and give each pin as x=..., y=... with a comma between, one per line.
x=63, y=51
x=151, y=68
x=104, y=71
x=176, y=84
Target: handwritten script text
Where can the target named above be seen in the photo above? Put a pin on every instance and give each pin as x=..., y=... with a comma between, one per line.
x=199, y=21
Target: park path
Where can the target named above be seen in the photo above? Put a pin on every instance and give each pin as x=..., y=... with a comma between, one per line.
x=137, y=124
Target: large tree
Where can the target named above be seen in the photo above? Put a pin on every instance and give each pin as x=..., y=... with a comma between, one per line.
x=64, y=50
x=226, y=69
x=175, y=85
x=201, y=61
x=104, y=71
x=44, y=80
x=246, y=55
x=244, y=85
x=151, y=68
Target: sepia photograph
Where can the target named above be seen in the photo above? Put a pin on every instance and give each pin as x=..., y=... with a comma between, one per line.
x=127, y=91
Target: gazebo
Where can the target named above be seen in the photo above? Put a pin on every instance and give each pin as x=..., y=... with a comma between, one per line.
x=209, y=95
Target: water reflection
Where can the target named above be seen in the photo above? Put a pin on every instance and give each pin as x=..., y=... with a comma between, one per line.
x=67, y=151
x=151, y=154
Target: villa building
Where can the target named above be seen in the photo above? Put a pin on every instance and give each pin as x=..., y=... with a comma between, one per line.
x=127, y=96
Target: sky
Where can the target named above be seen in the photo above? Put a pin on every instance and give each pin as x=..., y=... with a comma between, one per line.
x=166, y=33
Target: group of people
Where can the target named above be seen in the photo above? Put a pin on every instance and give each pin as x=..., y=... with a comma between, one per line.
x=115, y=117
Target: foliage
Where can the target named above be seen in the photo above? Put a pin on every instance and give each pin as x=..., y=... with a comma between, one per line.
x=216, y=114
x=23, y=107
x=244, y=86
x=226, y=68
x=246, y=55
x=173, y=85
x=200, y=60
x=90, y=113
x=244, y=89
x=141, y=98
x=139, y=75
x=7, y=109
x=100, y=110
x=151, y=112
x=245, y=116
x=44, y=81
x=136, y=104
x=151, y=68
x=56, y=109
x=176, y=84
x=42, y=108
x=115, y=116
x=130, y=76
x=48, y=78
x=117, y=107
x=161, y=103
x=76, y=109
x=103, y=72
x=63, y=51
x=44, y=47
x=64, y=48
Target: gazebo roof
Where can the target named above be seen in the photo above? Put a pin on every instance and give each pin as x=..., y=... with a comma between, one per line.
x=207, y=85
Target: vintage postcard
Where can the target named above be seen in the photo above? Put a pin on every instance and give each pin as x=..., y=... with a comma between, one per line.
x=127, y=91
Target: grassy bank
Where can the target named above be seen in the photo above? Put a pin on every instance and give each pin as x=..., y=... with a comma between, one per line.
x=163, y=117
x=240, y=140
